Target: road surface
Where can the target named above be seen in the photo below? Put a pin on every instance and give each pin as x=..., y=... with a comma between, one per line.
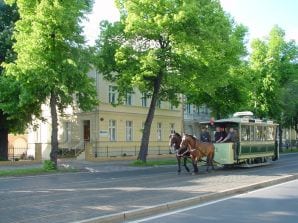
x=272, y=204
x=112, y=189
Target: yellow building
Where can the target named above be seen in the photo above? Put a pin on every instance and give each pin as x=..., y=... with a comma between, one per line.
x=112, y=131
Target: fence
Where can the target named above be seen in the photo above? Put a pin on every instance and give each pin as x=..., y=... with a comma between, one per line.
x=31, y=154
x=124, y=149
x=21, y=153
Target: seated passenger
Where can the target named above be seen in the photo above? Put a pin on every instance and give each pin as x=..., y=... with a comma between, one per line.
x=218, y=135
x=231, y=137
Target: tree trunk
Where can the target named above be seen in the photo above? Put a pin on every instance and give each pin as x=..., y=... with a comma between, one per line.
x=3, y=137
x=147, y=126
x=54, y=136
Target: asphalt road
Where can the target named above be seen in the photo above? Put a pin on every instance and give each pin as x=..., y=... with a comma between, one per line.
x=110, y=189
x=272, y=204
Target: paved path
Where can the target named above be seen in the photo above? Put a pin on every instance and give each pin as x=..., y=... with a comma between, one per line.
x=110, y=191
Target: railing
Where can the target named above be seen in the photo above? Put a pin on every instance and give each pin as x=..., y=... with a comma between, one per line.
x=16, y=154
x=124, y=149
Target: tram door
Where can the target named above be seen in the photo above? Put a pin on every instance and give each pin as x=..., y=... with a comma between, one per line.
x=86, y=131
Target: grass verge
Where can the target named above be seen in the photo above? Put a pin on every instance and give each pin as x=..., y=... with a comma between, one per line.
x=32, y=172
x=154, y=162
x=292, y=150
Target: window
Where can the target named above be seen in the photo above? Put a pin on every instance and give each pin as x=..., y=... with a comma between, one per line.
x=252, y=133
x=245, y=133
x=112, y=130
x=112, y=94
x=187, y=108
x=144, y=100
x=143, y=126
x=159, y=131
x=129, y=130
x=128, y=99
x=259, y=133
x=67, y=131
x=173, y=107
x=270, y=134
x=172, y=127
x=158, y=103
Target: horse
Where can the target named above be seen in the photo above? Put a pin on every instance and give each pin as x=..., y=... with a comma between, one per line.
x=198, y=150
x=174, y=143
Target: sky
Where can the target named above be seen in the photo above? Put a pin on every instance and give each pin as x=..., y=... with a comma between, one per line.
x=259, y=16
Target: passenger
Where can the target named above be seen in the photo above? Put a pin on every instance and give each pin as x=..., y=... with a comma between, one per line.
x=218, y=135
x=231, y=137
x=222, y=134
x=205, y=136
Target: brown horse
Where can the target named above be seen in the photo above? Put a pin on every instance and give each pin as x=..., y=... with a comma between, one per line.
x=174, y=143
x=198, y=150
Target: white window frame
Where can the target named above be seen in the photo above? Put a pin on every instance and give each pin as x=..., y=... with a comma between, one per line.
x=112, y=94
x=159, y=131
x=129, y=130
x=113, y=130
x=172, y=127
x=144, y=100
x=128, y=99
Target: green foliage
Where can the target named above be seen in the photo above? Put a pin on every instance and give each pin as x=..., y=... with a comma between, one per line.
x=272, y=64
x=21, y=172
x=289, y=102
x=8, y=16
x=49, y=165
x=164, y=48
x=52, y=61
x=9, y=86
x=51, y=54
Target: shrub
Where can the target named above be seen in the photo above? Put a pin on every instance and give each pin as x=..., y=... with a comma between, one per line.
x=49, y=165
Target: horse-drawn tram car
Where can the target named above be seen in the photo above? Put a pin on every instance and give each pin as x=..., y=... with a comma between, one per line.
x=254, y=141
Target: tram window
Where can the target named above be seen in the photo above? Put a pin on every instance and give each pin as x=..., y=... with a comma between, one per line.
x=245, y=133
x=259, y=136
x=270, y=133
x=252, y=133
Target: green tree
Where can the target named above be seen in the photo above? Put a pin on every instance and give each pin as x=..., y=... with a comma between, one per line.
x=229, y=97
x=165, y=48
x=290, y=102
x=8, y=88
x=272, y=64
x=52, y=61
x=226, y=89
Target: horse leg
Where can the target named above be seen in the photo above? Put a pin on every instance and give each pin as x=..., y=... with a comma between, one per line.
x=207, y=163
x=179, y=163
x=195, y=166
x=212, y=161
x=184, y=164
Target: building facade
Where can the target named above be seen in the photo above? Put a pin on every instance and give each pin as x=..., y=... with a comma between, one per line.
x=110, y=130
x=193, y=115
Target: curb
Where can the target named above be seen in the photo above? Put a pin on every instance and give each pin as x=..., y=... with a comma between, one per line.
x=170, y=206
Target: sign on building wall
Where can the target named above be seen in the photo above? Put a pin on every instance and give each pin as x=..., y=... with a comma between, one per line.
x=104, y=133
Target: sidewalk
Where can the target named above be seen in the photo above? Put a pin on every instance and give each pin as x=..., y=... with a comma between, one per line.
x=104, y=166
x=94, y=167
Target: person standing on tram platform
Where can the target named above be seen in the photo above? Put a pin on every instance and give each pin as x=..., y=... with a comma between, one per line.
x=205, y=136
